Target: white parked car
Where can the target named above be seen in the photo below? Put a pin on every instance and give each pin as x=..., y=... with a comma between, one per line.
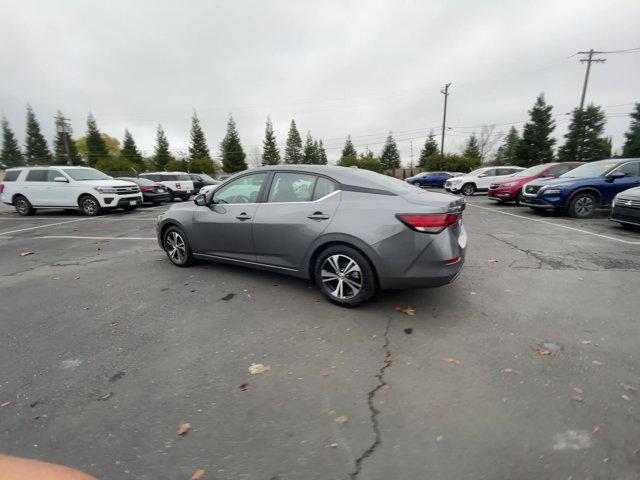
x=83, y=188
x=179, y=184
x=479, y=180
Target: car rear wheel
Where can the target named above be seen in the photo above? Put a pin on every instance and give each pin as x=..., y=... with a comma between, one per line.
x=23, y=206
x=90, y=206
x=184, y=198
x=583, y=205
x=176, y=245
x=344, y=276
x=468, y=189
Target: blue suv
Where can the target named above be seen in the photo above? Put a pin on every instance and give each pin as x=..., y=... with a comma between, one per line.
x=584, y=189
x=430, y=179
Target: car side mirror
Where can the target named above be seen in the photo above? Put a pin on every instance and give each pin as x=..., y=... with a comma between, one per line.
x=482, y=175
x=615, y=175
x=61, y=179
x=200, y=200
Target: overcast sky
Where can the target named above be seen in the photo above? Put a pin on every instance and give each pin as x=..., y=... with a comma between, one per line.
x=338, y=67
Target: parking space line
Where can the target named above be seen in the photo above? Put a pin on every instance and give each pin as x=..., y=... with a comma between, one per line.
x=616, y=239
x=44, y=226
x=80, y=237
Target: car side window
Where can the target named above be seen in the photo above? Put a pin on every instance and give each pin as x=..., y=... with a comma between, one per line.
x=51, y=174
x=492, y=172
x=631, y=169
x=12, y=175
x=242, y=190
x=291, y=187
x=36, y=176
x=324, y=187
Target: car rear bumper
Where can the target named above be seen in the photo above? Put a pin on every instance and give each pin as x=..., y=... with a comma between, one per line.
x=156, y=197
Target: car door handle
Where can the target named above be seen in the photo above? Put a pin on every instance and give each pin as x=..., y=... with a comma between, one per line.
x=318, y=216
x=243, y=216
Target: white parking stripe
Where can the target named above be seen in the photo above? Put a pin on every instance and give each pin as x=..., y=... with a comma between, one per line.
x=44, y=226
x=587, y=232
x=78, y=237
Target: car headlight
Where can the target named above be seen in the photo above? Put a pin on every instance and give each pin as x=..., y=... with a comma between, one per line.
x=105, y=189
x=552, y=191
x=509, y=184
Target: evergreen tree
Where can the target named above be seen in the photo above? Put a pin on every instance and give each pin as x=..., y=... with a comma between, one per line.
x=10, y=155
x=130, y=151
x=322, y=154
x=368, y=161
x=584, y=141
x=506, y=154
x=390, y=157
x=430, y=149
x=63, y=128
x=310, y=152
x=96, y=146
x=293, y=148
x=631, y=148
x=472, y=148
x=233, y=156
x=536, y=145
x=198, y=148
x=348, y=152
x=35, y=146
x=162, y=155
x=270, y=152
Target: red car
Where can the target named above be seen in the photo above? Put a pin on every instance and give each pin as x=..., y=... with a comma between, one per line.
x=508, y=189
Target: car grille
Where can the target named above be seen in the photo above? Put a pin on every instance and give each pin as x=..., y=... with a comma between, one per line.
x=628, y=202
x=532, y=189
x=126, y=190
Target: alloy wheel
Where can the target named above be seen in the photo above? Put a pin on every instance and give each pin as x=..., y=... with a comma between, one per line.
x=175, y=247
x=89, y=206
x=22, y=206
x=342, y=276
x=584, y=206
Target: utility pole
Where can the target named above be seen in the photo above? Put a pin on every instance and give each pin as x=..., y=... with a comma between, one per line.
x=411, y=155
x=64, y=129
x=589, y=60
x=445, y=92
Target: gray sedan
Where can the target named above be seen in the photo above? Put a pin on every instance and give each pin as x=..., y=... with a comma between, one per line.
x=351, y=231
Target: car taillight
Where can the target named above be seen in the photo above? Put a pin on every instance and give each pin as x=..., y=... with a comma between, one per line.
x=146, y=189
x=1, y=187
x=429, y=223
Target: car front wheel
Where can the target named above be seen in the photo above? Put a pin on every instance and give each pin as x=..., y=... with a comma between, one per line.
x=583, y=205
x=344, y=276
x=176, y=245
x=90, y=206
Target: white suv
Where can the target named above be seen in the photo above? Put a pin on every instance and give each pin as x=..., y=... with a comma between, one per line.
x=86, y=189
x=479, y=180
x=179, y=184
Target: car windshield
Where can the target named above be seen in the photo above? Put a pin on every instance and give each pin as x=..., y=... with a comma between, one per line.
x=80, y=174
x=531, y=171
x=590, y=170
x=385, y=182
x=476, y=172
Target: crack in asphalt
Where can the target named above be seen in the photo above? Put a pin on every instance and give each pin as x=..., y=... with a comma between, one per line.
x=374, y=412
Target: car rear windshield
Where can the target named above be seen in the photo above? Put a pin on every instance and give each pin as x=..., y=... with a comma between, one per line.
x=385, y=182
x=80, y=174
x=531, y=171
x=11, y=175
x=589, y=170
x=139, y=181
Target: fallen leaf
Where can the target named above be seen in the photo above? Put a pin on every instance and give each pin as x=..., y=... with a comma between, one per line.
x=5, y=404
x=104, y=397
x=341, y=420
x=543, y=351
x=452, y=360
x=585, y=342
x=334, y=445
x=325, y=373
x=439, y=438
x=115, y=323
x=626, y=397
x=578, y=390
x=597, y=362
x=317, y=300
x=386, y=386
x=388, y=359
x=596, y=429
x=256, y=368
x=198, y=475
x=472, y=293
x=406, y=310
x=24, y=254
x=183, y=428
x=493, y=260
x=512, y=370
x=629, y=388
x=244, y=387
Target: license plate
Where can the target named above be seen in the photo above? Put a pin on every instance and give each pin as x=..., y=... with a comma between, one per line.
x=132, y=202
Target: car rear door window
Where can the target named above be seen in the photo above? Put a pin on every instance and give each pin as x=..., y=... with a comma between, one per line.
x=324, y=187
x=291, y=187
x=11, y=175
x=51, y=174
x=242, y=190
x=37, y=176
x=631, y=169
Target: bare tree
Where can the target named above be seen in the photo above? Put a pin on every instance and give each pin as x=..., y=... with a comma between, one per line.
x=255, y=157
x=487, y=141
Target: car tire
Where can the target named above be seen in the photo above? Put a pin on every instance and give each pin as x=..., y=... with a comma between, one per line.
x=359, y=280
x=583, y=205
x=176, y=245
x=23, y=206
x=185, y=198
x=89, y=206
x=468, y=189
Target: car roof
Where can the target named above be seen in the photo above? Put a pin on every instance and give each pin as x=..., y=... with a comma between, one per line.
x=41, y=167
x=615, y=160
x=164, y=173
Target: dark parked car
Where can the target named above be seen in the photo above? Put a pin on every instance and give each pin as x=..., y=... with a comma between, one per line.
x=582, y=190
x=202, y=179
x=151, y=191
x=430, y=179
x=625, y=208
x=350, y=230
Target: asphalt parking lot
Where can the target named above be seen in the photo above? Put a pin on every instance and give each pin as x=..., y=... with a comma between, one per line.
x=526, y=367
